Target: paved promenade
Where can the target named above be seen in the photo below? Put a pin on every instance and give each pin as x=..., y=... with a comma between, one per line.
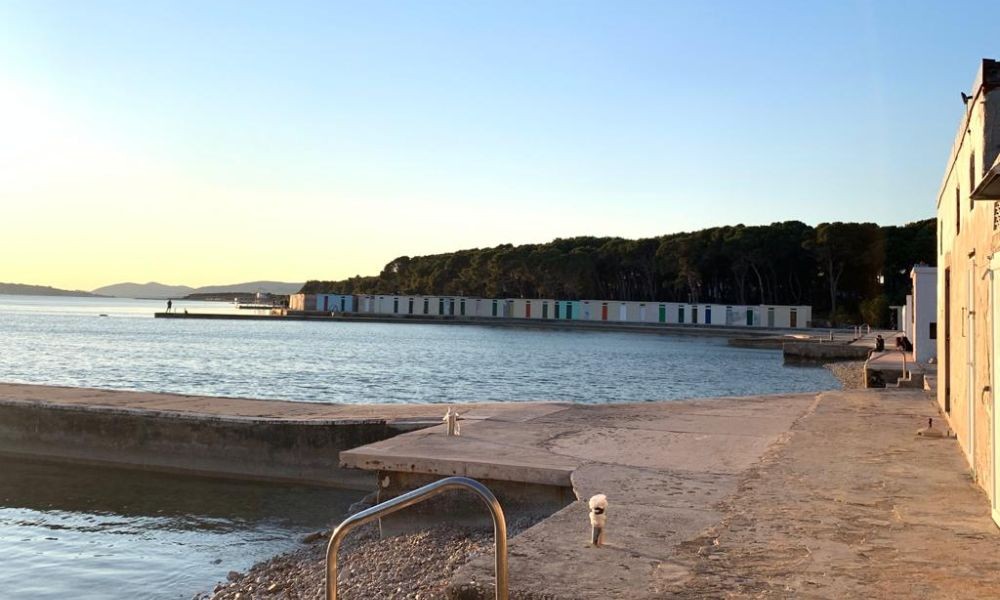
x=802, y=496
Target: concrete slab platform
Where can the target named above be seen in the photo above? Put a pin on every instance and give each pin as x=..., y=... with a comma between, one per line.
x=554, y=559
x=433, y=452
x=666, y=468
x=664, y=450
x=647, y=487
x=249, y=408
x=219, y=437
x=845, y=502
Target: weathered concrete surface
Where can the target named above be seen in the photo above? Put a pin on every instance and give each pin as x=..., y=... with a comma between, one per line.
x=813, y=351
x=232, y=437
x=665, y=467
x=887, y=368
x=853, y=505
x=485, y=450
x=847, y=503
x=214, y=406
x=828, y=496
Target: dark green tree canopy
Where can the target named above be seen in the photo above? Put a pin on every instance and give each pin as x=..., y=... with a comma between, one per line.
x=834, y=267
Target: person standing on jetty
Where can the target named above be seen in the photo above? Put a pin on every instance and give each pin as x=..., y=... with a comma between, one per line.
x=170, y=304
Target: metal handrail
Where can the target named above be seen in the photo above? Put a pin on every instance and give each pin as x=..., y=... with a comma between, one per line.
x=409, y=499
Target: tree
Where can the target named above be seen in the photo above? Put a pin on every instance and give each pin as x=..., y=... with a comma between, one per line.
x=835, y=267
x=837, y=246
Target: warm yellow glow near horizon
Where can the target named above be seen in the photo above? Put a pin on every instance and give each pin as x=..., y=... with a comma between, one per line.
x=81, y=212
x=82, y=209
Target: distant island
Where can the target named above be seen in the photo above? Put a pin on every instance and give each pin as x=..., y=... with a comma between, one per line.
x=159, y=291
x=20, y=289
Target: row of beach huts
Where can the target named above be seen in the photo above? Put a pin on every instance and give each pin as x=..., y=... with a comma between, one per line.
x=668, y=313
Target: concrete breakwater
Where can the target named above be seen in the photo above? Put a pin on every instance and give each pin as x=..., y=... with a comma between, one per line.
x=807, y=351
x=654, y=328
x=224, y=437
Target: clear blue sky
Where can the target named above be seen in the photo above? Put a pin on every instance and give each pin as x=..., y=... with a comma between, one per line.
x=160, y=138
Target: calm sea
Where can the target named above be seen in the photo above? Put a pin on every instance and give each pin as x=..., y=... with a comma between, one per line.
x=109, y=533
x=64, y=341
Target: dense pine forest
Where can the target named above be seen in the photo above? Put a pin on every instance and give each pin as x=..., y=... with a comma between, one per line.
x=851, y=272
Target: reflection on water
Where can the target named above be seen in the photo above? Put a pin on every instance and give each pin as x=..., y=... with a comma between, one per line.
x=64, y=342
x=95, y=532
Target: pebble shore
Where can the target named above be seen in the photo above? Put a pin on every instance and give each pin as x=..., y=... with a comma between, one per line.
x=850, y=374
x=416, y=566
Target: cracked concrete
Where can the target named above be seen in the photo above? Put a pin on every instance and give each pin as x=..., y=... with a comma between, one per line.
x=800, y=496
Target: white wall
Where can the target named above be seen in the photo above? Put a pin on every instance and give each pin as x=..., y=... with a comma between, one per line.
x=924, y=312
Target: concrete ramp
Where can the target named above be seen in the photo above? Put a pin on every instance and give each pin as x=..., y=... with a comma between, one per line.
x=665, y=468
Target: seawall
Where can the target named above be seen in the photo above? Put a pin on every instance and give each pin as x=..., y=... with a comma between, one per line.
x=823, y=352
x=268, y=440
x=615, y=326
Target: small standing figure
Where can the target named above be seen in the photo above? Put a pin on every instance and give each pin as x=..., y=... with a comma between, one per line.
x=170, y=304
x=879, y=343
x=598, y=518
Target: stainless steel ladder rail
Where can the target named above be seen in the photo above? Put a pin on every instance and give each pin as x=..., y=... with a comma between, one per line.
x=409, y=499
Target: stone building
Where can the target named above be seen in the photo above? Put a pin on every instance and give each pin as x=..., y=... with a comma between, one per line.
x=968, y=285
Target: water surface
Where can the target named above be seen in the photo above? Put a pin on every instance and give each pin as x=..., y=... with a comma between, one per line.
x=72, y=531
x=63, y=341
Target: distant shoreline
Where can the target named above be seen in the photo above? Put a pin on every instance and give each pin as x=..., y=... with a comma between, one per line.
x=655, y=328
x=21, y=289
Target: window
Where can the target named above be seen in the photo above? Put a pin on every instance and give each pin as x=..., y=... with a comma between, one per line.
x=932, y=330
x=958, y=210
x=972, y=178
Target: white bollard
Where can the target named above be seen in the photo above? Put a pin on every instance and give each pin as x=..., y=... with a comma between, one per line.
x=598, y=518
x=451, y=418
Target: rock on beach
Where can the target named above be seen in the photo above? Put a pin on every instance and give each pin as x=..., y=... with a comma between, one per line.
x=416, y=566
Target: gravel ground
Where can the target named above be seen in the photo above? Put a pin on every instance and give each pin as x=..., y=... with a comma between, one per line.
x=415, y=566
x=850, y=374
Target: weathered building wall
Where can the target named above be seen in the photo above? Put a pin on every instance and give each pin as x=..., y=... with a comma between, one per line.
x=967, y=238
x=302, y=302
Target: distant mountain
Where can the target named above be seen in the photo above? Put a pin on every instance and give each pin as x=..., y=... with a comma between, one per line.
x=160, y=291
x=144, y=290
x=39, y=290
x=252, y=287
